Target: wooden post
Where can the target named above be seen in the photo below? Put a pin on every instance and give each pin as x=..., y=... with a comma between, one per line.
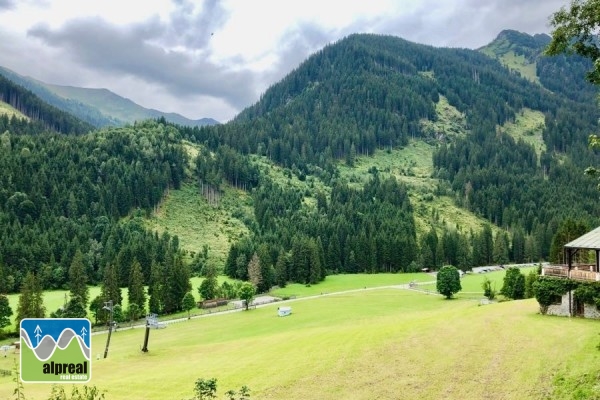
x=146, y=337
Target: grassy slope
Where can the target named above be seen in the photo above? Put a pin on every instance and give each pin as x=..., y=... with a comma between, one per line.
x=7, y=109
x=501, y=50
x=528, y=127
x=188, y=215
x=371, y=344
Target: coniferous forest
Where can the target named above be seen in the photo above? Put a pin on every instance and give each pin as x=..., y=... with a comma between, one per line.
x=67, y=188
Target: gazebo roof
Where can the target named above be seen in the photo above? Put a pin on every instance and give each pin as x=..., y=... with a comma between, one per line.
x=590, y=240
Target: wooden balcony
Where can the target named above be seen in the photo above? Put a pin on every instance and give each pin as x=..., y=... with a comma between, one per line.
x=578, y=273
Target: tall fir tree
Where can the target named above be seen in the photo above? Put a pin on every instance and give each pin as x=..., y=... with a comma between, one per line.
x=5, y=312
x=78, y=280
x=155, y=288
x=136, y=293
x=110, y=285
x=31, y=300
x=176, y=285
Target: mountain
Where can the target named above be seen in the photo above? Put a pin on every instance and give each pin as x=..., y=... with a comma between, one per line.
x=98, y=107
x=525, y=53
x=18, y=102
x=494, y=131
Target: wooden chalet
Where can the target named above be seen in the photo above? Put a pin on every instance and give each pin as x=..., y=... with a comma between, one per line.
x=575, y=270
x=578, y=268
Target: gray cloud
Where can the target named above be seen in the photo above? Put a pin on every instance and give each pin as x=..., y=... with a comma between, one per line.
x=145, y=50
x=7, y=5
x=470, y=23
x=164, y=62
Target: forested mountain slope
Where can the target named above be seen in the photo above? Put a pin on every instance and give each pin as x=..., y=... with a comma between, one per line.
x=62, y=194
x=353, y=101
x=370, y=92
x=42, y=115
x=560, y=74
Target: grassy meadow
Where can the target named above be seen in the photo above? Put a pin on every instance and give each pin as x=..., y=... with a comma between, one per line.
x=386, y=344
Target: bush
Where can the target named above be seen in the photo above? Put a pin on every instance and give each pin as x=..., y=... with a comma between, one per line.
x=514, y=284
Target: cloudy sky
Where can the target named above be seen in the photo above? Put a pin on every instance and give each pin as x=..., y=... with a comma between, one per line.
x=214, y=58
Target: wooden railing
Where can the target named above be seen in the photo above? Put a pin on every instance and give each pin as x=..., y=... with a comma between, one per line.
x=576, y=274
x=555, y=271
x=580, y=275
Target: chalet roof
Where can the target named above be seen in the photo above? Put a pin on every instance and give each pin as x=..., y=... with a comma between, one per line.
x=590, y=240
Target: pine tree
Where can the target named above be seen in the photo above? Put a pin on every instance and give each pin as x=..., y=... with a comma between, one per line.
x=5, y=312
x=176, y=285
x=136, y=293
x=155, y=288
x=110, y=285
x=31, y=300
x=78, y=280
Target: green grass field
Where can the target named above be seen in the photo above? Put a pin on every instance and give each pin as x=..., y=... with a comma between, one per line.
x=372, y=344
x=471, y=283
x=53, y=299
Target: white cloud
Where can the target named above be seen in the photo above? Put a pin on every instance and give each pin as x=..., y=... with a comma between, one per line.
x=212, y=59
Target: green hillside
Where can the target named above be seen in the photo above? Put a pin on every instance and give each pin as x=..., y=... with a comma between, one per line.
x=98, y=107
x=119, y=108
x=9, y=111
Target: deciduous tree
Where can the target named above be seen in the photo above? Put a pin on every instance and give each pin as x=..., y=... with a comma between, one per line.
x=448, y=281
x=247, y=292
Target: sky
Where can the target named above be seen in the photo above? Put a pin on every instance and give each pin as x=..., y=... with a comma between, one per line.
x=214, y=58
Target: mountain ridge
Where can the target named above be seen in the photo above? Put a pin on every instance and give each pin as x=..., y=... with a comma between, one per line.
x=99, y=107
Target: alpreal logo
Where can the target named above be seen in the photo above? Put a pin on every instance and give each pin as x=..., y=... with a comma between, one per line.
x=56, y=350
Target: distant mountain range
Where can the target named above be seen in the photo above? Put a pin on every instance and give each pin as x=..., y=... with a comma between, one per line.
x=98, y=107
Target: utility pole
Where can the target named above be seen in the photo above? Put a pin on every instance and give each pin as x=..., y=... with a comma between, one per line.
x=108, y=305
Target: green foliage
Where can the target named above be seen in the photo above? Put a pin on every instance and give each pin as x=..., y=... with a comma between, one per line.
x=488, y=290
x=63, y=194
x=567, y=231
x=242, y=394
x=188, y=303
x=19, y=391
x=588, y=293
x=5, y=312
x=530, y=280
x=77, y=393
x=134, y=311
x=110, y=285
x=246, y=293
x=96, y=305
x=78, y=279
x=514, y=284
x=448, y=281
x=575, y=31
x=205, y=389
x=550, y=290
x=177, y=284
x=31, y=300
x=136, y=293
x=208, y=289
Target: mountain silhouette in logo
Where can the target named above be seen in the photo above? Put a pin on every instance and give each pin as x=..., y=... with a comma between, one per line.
x=46, y=347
